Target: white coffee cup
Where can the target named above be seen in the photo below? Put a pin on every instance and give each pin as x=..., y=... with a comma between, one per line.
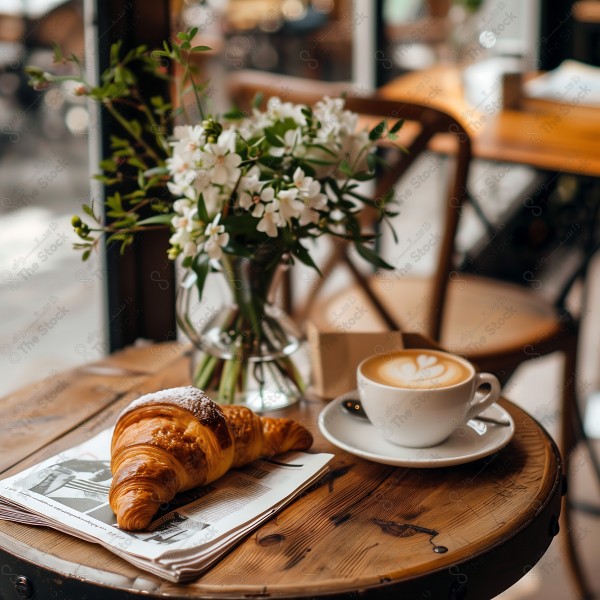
x=418, y=398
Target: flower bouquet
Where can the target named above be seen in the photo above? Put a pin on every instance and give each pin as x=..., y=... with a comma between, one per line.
x=244, y=194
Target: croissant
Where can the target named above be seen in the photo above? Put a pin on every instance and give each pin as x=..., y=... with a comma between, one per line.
x=178, y=439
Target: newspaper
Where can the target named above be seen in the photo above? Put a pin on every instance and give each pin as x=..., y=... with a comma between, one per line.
x=572, y=83
x=69, y=492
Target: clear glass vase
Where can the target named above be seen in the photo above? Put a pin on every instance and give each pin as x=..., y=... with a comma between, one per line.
x=242, y=342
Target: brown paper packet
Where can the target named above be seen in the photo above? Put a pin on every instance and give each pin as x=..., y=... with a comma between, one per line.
x=335, y=355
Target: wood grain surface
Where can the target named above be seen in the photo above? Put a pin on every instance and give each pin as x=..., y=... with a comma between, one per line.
x=364, y=528
x=548, y=135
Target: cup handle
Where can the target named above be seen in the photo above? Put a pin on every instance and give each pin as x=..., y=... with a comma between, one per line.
x=489, y=399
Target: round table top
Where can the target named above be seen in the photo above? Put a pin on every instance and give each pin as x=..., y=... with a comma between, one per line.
x=365, y=527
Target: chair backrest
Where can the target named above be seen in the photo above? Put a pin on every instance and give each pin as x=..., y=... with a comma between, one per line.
x=423, y=124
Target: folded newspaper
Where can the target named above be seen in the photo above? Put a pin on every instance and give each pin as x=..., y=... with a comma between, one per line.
x=69, y=492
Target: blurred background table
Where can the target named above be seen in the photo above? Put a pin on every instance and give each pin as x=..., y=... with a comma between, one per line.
x=365, y=528
x=548, y=135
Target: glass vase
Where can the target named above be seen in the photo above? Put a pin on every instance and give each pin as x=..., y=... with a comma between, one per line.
x=242, y=342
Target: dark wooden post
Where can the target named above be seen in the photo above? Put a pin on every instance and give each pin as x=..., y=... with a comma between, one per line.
x=140, y=284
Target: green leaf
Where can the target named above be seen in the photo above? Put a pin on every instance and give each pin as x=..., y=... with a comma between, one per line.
x=323, y=148
x=363, y=176
x=371, y=161
x=201, y=49
x=157, y=220
x=156, y=171
x=258, y=100
x=114, y=202
x=335, y=188
x=114, y=52
x=88, y=210
x=136, y=127
x=399, y=123
x=377, y=131
x=346, y=169
x=118, y=142
x=302, y=253
x=116, y=237
x=202, y=212
x=273, y=139
x=234, y=114
x=242, y=224
x=393, y=230
x=371, y=256
x=192, y=33
x=177, y=52
x=316, y=161
x=136, y=162
x=108, y=164
x=200, y=266
x=182, y=36
x=388, y=197
x=237, y=249
x=58, y=55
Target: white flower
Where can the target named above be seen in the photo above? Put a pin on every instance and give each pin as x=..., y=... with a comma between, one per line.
x=266, y=195
x=289, y=206
x=178, y=165
x=311, y=195
x=214, y=199
x=278, y=195
x=301, y=181
x=217, y=238
x=189, y=141
x=291, y=140
x=312, y=204
x=271, y=220
x=186, y=218
x=190, y=249
x=182, y=188
x=202, y=180
x=180, y=238
x=222, y=163
x=278, y=111
x=182, y=205
x=249, y=186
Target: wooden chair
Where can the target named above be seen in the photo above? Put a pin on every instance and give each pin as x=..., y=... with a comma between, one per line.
x=495, y=324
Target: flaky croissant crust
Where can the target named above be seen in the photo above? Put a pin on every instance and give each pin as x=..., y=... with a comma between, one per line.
x=178, y=439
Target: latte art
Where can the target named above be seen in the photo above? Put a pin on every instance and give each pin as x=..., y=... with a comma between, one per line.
x=418, y=370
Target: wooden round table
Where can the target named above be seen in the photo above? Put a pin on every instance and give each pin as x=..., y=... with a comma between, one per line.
x=365, y=529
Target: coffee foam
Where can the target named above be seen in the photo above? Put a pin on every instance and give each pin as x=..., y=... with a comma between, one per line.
x=420, y=370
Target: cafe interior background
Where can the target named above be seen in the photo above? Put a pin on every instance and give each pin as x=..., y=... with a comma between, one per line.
x=55, y=312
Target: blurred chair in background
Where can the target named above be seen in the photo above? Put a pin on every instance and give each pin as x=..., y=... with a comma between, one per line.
x=495, y=324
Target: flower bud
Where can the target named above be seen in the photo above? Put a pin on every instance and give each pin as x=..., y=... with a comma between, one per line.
x=75, y=221
x=174, y=252
x=40, y=86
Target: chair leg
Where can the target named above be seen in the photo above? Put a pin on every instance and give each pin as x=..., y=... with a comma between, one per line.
x=568, y=442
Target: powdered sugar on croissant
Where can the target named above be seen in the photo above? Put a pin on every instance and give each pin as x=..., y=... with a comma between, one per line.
x=178, y=439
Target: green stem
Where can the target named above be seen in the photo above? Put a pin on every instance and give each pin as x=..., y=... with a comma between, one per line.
x=159, y=135
x=224, y=384
x=204, y=375
x=295, y=375
x=123, y=122
x=233, y=377
x=179, y=94
x=196, y=95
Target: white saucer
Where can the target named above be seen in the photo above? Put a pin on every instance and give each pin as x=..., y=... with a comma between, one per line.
x=357, y=436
